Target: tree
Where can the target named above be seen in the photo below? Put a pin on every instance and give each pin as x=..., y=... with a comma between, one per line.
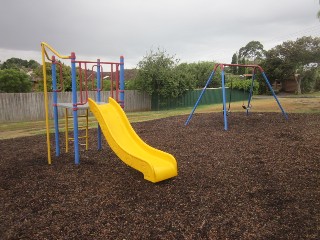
x=33, y=64
x=186, y=78
x=241, y=70
x=234, y=60
x=242, y=84
x=158, y=75
x=289, y=60
x=253, y=51
x=13, y=80
x=310, y=80
x=18, y=63
x=201, y=72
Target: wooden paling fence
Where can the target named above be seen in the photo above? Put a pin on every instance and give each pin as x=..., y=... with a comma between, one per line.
x=15, y=107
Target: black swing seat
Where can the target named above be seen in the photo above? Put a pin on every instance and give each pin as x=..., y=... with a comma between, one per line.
x=247, y=108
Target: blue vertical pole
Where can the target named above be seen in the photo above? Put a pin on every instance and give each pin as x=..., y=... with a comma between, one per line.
x=202, y=92
x=99, y=100
x=274, y=95
x=75, y=109
x=122, y=81
x=224, y=100
x=55, y=107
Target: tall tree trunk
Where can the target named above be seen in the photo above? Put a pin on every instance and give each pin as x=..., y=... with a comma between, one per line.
x=298, y=81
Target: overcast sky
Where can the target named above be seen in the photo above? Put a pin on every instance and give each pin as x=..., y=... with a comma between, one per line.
x=193, y=30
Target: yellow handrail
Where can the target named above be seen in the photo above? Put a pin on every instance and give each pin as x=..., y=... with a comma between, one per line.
x=45, y=54
x=44, y=44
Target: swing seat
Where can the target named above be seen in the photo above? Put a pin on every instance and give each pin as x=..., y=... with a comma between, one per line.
x=228, y=111
x=246, y=108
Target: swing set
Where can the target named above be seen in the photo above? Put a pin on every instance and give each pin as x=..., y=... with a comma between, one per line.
x=248, y=106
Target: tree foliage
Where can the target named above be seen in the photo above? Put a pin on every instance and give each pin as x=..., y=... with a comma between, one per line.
x=17, y=71
x=253, y=51
x=14, y=80
x=186, y=77
x=201, y=72
x=17, y=63
x=291, y=58
x=159, y=74
x=235, y=82
x=234, y=60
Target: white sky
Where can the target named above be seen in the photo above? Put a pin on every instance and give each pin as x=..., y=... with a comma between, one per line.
x=193, y=30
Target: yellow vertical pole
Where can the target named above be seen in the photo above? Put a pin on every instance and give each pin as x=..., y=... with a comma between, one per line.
x=45, y=91
x=87, y=128
x=66, y=129
x=46, y=102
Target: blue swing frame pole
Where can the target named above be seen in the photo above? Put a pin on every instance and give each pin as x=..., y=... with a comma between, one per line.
x=274, y=95
x=225, y=118
x=201, y=94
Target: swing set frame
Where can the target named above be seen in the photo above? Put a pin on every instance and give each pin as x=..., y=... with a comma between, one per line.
x=247, y=108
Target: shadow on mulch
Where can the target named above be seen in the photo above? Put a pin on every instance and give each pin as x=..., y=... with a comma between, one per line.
x=259, y=180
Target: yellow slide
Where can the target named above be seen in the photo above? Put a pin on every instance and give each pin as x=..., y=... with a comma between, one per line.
x=155, y=165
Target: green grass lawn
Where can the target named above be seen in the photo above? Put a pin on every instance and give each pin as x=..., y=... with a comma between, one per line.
x=294, y=104
x=19, y=129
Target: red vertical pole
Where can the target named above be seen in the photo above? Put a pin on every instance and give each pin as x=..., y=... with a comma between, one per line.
x=101, y=77
x=80, y=82
x=117, y=82
x=86, y=80
x=111, y=79
x=92, y=78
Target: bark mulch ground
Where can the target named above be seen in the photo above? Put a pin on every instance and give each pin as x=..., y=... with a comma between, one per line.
x=259, y=180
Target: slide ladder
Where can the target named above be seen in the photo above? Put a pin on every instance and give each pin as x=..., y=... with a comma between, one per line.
x=84, y=125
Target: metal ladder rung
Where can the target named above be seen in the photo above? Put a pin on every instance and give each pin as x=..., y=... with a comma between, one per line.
x=72, y=139
x=79, y=116
x=79, y=128
x=84, y=126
